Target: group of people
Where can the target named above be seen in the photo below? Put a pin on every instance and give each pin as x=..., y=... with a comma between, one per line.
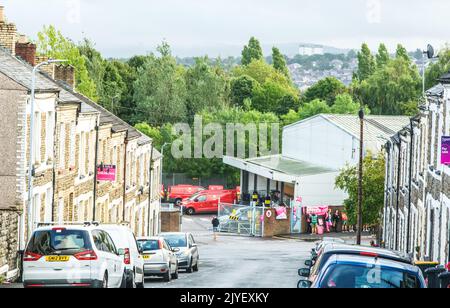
x=330, y=222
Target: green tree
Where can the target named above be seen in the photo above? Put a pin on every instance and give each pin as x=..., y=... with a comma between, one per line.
x=53, y=44
x=437, y=69
x=383, y=57
x=325, y=89
x=160, y=90
x=344, y=104
x=366, y=63
x=390, y=90
x=252, y=51
x=313, y=108
x=207, y=87
x=373, y=189
x=402, y=53
x=242, y=88
x=279, y=62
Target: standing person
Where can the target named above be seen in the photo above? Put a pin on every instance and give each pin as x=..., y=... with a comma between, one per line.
x=344, y=222
x=336, y=220
x=215, y=223
x=329, y=220
x=308, y=223
x=314, y=221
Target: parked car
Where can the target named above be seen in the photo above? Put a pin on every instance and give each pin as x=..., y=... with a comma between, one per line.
x=188, y=256
x=326, y=240
x=354, y=272
x=125, y=240
x=177, y=193
x=73, y=256
x=329, y=250
x=207, y=201
x=159, y=258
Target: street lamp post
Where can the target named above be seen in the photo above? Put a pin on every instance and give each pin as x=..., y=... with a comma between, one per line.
x=31, y=145
x=360, y=176
x=162, y=164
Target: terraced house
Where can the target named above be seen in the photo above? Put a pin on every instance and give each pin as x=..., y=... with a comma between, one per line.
x=417, y=209
x=74, y=139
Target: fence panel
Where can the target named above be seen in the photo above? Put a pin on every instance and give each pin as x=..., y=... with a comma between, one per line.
x=240, y=219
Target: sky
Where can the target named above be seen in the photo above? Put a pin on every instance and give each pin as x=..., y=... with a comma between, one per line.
x=222, y=27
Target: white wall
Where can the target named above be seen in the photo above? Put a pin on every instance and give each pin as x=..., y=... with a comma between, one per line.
x=321, y=142
x=319, y=190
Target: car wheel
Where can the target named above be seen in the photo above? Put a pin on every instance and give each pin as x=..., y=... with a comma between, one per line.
x=175, y=275
x=195, y=268
x=105, y=281
x=190, y=211
x=178, y=202
x=167, y=276
x=190, y=269
x=141, y=285
x=123, y=284
x=131, y=283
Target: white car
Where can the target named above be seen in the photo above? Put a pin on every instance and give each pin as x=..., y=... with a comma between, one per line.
x=159, y=258
x=125, y=242
x=72, y=256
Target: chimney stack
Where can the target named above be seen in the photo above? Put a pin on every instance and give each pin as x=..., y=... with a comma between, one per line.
x=27, y=51
x=2, y=14
x=66, y=74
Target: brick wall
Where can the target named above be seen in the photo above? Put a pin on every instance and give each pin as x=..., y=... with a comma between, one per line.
x=8, y=33
x=27, y=51
x=8, y=239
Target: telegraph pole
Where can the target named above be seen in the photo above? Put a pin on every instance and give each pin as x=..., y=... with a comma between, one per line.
x=360, y=176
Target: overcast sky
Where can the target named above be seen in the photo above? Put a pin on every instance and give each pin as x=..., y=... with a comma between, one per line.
x=195, y=27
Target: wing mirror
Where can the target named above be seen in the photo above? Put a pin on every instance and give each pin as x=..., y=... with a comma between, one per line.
x=309, y=263
x=304, y=284
x=175, y=249
x=304, y=272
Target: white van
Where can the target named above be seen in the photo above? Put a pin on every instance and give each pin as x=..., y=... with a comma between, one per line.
x=72, y=256
x=125, y=241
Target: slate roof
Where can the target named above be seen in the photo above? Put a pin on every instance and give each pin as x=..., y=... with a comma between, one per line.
x=21, y=72
x=445, y=78
x=437, y=90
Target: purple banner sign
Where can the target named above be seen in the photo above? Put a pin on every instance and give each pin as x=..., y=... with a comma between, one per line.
x=445, y=150
x=106, y=173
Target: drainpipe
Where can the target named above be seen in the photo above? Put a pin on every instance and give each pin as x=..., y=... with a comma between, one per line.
x=411, y=147
x=55, y=154
x=150, y=184
x=124, y=196
x=399, y=172
x=95, y=168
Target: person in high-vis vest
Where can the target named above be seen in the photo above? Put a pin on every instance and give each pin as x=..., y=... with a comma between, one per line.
x=267, y=201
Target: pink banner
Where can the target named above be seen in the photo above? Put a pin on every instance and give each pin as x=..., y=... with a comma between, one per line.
x=318, y=210
x=445, y=150
x=106, y=173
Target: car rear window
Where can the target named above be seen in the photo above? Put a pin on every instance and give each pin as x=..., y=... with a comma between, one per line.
x=148, y=245
x=176, y=240
x=53, y=242
x=360, y=276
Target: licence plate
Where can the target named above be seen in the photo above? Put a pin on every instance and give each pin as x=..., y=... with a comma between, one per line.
x=147, y=257
x=57, y=258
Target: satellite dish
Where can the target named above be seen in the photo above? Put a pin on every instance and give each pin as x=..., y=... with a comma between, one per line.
x=430, y=52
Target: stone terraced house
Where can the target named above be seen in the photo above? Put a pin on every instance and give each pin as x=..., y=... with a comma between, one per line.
x=71, y=133
x=417, y=208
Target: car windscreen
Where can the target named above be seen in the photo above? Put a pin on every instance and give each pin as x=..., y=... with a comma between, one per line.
x=176, y=240
x=53, y=242
x=362, y=276
x=148, y=245
x=194, y=196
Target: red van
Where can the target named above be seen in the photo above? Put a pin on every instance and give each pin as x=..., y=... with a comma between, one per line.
x=208, y=201
x=179, y=192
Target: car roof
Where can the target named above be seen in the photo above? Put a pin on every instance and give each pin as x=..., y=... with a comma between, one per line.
x=373, y=261
x=334, y=248
x=149, y=238
x=69, y=227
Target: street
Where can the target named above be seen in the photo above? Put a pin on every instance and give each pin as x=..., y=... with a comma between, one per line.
x=239, y=262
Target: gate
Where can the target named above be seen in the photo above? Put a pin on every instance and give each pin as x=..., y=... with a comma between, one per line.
x=241, y=219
